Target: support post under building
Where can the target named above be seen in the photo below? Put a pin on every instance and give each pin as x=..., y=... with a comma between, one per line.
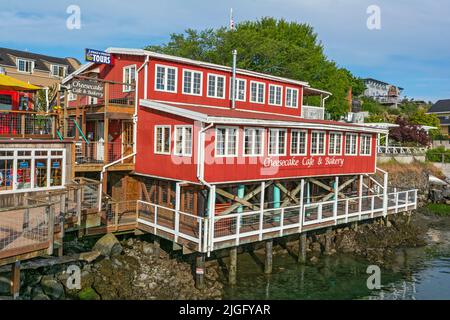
x=232, y=270
x=269, y=257
x=200, y=271
x=302, y=248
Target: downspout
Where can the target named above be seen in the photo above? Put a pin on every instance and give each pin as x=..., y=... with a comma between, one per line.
x=134, y=134
x=233, y=81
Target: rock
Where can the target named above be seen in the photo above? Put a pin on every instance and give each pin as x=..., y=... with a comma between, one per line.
x=316, y=247
x=436, y=195
x=314, y=259
x=90, y=256
x=108, y=245
x=52, y=288
x=40, y=296
x=147, y=248
x=88, y=294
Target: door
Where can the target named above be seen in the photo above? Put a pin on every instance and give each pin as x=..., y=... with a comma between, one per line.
x=127, y=140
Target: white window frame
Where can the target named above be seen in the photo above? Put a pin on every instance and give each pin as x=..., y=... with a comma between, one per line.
x=275, y=95
x=333, y=152
x=347, y=141
x=253, y=140
x=324, y=143
x=155, y=142
x=192, y=82
x=296, y=153
x=277, y=146
x=227, y=134
x=362, y=145
x=183, y=152
x=237, y=86
x=128, y=87
x=215, y=86
x=290, y=89
x=257, y=92
x=26, y=61
x=166, y=78
x=71, y=96
x=59, y=66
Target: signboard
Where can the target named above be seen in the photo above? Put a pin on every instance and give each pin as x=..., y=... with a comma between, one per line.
x=99, y=57
x=307, y=162
x=87, y=88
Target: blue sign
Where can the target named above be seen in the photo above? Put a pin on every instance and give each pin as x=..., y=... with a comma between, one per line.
x=40, y=165
x=23, y=164
x=55, y=164
x=99, y=57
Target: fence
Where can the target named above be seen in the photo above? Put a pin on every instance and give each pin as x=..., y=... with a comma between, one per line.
x=398, y=150
x=27, y=124
x=94, y=151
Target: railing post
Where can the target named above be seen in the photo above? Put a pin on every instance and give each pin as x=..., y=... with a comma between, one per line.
x=177, y=209
x=319, y=212
x=360, y=192
x=346, y=210
x=281, y=222
x=300, y=209
x=22, y=126
x=156, y=220
x=79, y=206
x=116, y=215
x=238, y=229
x=336, y=197
x=261, y=209
x=372, y=206
x=50, y=213
x=385, y=193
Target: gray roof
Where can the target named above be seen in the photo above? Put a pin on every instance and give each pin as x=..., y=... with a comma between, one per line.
x=440, y=106
x=5, y=59
x=380, y=82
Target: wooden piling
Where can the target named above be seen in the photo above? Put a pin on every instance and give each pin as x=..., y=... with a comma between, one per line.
x=232, y=270
x=157, y=246
x=302, y=248
x=328, y=240
x=200, y=271
x=269, y=257
x=15, y=279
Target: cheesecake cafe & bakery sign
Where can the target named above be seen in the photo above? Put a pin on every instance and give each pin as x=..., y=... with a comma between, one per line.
x=307, y=162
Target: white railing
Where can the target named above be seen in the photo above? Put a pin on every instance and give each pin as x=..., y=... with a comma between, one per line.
x=402, y=150
x=311, y=112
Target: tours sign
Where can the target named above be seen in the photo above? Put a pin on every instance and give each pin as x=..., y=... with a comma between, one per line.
x=86, y=87
x=98, y=57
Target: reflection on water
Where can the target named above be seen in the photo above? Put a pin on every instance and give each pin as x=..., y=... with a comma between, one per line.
x=414, y=275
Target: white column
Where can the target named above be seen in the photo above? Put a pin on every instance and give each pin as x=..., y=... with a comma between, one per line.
x=385, y=193
x=302, y=193
x=336, y=196
x=177, y=209
x=261, y=208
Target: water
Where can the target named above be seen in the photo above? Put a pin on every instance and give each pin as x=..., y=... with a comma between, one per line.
x=420, y=273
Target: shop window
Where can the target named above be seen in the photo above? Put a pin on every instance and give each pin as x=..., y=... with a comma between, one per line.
x=6, y=174
x=41, y=173
x=24, y=174
x=56, y=173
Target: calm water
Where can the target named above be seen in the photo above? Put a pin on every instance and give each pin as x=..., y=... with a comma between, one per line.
x=422, y=273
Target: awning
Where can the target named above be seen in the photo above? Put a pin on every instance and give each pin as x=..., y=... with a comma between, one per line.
x=10, y=83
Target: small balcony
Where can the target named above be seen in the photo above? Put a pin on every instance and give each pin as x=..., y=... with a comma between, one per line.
x=311, y=112
x=27, y=124
x=95, y=154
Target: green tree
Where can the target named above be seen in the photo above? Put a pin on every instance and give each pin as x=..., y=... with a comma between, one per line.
x=420, y=117
x=268, y=45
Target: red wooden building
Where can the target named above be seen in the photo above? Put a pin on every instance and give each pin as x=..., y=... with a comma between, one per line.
x=217, y=172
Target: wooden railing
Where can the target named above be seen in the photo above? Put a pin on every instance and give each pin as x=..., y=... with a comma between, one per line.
x=27, y=124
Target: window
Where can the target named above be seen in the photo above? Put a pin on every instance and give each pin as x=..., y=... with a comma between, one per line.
x=241, y=88
x=275, y=94
x=253, y=142
x=129, y=76
x=162, y=139
x=335, y=144
x=216, y=86
x=318, y=143
x=226, y=141
x=183, y=140
x=92, y=100
x=192, y=82
x=277, y=142
x=71, y=96
x=166, y=79
x=298, y=142
x=257, y=92
x=58, y=70
x=291, y=98
x=366, y=145
x=5, y=102
x=25, y=65
x=350, y=144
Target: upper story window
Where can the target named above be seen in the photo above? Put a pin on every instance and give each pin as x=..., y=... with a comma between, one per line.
x=71, y=96
x=257, y=92
x=216, y=86
x=58, y=70
x=166, y=78
x=299, y=142
x=366, y=145
x=335, y=144
x=241, y=89
x=162, y=139
x=24, y=65
x=226, y=141
x=192, y=82
x=183, y=141
x=350, y=144
x=129, y=76
x=92, y=100
x=318, y=143
x=291, y=98
x=275, y=94
x=277, y=142
x=253, y=141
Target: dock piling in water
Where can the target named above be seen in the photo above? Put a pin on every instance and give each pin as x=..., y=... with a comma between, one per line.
x=232, y=270
x=302, y=248
x=269, y=257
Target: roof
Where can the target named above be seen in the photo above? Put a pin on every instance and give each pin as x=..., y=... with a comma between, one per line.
x=442, y=106
x=381, y=82
x=445, y=121
x=39, y=59
x=151, y=54
x=220, y=115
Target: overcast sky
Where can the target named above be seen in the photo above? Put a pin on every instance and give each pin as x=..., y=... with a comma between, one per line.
x=412, y=49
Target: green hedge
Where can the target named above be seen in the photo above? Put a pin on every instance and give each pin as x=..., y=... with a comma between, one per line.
x=438, y=154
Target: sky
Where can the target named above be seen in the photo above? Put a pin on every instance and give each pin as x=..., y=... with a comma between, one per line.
x=411, y=49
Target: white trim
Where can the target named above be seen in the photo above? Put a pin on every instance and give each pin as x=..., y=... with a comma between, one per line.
x=25, y=60
x=286, y=99
x=226, y=137
x=215, y=85
x=58, y=65
x=324, y=143
x=356, y=144
x=183, y=140
x=128, y=87
x=306, y=142
x=237, y=87
x=275, y=95
x=166, y=78
x=277, y=144
x=155, y=142
x=361, y=145
x=253, y=138
x=333, y=153
x=192, y=82
x=257, y=92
